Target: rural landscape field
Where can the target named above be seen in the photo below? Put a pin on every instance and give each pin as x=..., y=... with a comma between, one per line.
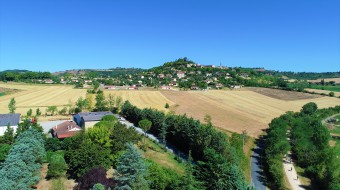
x=249, y=109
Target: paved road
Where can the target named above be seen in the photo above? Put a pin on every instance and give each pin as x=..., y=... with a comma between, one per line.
x=256, y=170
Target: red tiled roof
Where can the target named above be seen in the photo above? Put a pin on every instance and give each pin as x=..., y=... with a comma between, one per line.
x=66, y=129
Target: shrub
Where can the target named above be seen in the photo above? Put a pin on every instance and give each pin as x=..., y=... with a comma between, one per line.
x=56, y=167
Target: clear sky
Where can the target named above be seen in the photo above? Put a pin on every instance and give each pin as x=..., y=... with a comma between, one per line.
x=288, y=35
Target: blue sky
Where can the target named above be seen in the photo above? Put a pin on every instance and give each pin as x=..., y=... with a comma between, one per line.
x=286, y=35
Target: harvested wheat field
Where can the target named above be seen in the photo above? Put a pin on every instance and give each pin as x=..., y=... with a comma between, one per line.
x=39, y=96
x=337, y=80
x=142, y=98
x=239, y=110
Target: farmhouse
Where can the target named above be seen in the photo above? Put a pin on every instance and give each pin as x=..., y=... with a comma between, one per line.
x=65, y=129
x=88, y=119
x=9, y=119
x=166, y=87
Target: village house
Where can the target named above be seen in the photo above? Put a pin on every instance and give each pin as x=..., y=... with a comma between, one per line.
x=166, y=88
x=219, y=85
x=194, y=87
x=236, y=86
x=88, y=119
x=161, y=76
x=65, y=129
x=180, y=74
x=9, y=119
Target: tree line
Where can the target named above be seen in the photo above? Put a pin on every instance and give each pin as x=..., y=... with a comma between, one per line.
x=216, y=161
x=309, y=142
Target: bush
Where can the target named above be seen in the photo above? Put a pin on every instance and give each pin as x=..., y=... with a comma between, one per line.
x=56, y=167
x=167, y=105
x=331, y=94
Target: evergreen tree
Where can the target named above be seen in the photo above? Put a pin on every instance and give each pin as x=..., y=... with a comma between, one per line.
x=131, y=170
x=37, y=112
x=29, y=112
x=8, y=137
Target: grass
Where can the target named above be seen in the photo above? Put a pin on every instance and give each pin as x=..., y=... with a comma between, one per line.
x=58, y=184
x=248, y=151
x=2, y=94
x=165, y=158
x=330, y=88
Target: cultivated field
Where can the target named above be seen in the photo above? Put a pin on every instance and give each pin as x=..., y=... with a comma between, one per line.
x=240, y=110
x=234, y=110
x=142, y=98
x=39, y=96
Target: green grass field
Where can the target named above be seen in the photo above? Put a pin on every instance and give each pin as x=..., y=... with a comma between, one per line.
x=330, y=88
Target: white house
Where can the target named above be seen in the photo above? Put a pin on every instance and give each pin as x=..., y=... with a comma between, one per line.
x=9, y=119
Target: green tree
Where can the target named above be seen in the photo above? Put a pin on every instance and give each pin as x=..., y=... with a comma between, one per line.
x=37, y=112
x=57, y=166
x=63, y=111
x=29, y=112
x=101, y=103
x=145, y=125
x=331, y=94
x=51, y=110
x=98, y=186
x=309, y=108
x=131, y=170
x=8, y=137
x=11, y=106
x=4, y=150
x=167, y=105
x=87, y=156
x=81, y=104
x=119, y=101
x=111, y=102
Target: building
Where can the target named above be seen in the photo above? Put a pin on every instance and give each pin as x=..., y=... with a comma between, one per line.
x=180, y=75
x=88, y=119
x=9, y=119
x=166, y=88
x=65, y=129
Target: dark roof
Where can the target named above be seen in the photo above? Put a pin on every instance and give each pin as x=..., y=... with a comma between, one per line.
x=94, y=116
x=12, y=119
x=66, y=129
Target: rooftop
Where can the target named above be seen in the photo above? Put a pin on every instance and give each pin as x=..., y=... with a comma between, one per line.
x=11, y=119
x=66, y=129
x=94, y=116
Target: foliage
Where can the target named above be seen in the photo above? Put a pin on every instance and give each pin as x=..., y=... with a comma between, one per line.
x=57, y=166
x=28, y=123
x=87, y=156
x=29, y=112
x=331, y=94
x=162, y=178
x=100, y=133
x=37, y=112
x=8, y=137
x=51, y=110
x=131, y=170
x=167, y=105
x=309, y=108
x=98, y=186
x=101, y=103
x=109, y=118
x=122, y=135
x=63, y=111
x=11, y=106
x=81, y=104
x=186, y=134
x=4, y=150
x=22, y=165
x=93, y=176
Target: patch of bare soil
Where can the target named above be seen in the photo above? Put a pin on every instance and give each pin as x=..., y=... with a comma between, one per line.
x=283, y=94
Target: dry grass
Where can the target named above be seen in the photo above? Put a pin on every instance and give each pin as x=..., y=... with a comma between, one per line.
x=142, y=98
x=239, y=110
x=39, y=96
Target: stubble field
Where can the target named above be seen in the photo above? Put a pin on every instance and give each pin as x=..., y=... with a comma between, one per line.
x=237, y=110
